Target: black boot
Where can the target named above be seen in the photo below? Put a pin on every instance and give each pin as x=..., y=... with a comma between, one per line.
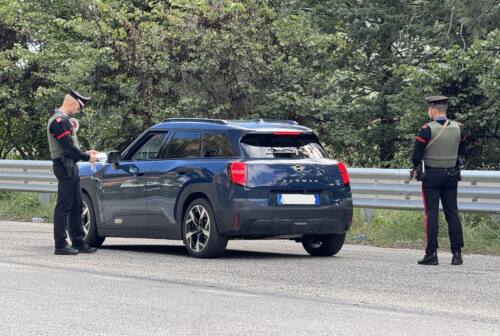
x=429, y=259
x=457, y=258
x=66, y=250
x=84, y=248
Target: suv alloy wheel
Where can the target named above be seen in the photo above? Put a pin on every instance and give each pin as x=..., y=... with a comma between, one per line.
x=199, y=231
x=89, y=223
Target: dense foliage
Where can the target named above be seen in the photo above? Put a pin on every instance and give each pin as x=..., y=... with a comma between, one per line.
x=354, y=70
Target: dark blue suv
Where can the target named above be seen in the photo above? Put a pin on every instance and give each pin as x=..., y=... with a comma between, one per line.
x=206, y=181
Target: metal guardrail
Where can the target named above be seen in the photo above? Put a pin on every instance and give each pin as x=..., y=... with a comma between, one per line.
x=479, y=191
x=27, y=175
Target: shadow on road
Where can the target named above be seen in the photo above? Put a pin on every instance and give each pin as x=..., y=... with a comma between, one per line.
x=239, y=254
x=156, y=249
x=181, y=251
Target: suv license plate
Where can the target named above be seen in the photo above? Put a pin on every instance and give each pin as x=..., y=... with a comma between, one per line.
x=298, y=199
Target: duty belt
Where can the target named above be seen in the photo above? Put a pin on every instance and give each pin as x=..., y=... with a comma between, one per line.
x=438, y=168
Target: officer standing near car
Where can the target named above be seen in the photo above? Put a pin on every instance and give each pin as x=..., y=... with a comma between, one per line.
x=65, y=153
x=438, y=146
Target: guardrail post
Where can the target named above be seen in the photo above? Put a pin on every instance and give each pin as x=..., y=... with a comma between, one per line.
x=367, y=215
x=44, y=198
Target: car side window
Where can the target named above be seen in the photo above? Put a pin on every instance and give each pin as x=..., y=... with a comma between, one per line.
x=150, y=149
x=217, y=145
x=184, y=144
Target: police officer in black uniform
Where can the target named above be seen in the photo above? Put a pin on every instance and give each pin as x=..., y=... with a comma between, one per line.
x=65, y=153
x=437, y=146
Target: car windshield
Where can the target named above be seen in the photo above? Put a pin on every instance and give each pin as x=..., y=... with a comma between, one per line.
x=282, y=146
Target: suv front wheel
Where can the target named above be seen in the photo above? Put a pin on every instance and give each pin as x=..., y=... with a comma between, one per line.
x=324, y=245
x=89, y=223
x=199, y=231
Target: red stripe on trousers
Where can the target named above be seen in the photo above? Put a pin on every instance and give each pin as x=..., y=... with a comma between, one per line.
x=425, y=213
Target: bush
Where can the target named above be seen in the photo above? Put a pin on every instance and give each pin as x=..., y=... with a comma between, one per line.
x=24, y=206
x=405, y=229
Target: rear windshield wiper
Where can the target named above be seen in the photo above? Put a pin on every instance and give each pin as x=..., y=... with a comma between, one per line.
x=282, y=151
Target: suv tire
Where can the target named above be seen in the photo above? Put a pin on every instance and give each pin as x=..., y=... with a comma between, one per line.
x=324, y=245
x=89, y=223
x=199, y=231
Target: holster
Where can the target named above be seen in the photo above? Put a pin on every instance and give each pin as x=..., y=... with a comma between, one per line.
x=69, y=165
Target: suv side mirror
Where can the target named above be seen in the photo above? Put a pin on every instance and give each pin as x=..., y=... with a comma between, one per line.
x=114, y=156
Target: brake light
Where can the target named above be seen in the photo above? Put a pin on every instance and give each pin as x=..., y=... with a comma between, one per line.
x=343, y=173
x=287, y=133
x=238, y=173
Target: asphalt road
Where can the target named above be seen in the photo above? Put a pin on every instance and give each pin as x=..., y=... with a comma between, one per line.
x=152, y=287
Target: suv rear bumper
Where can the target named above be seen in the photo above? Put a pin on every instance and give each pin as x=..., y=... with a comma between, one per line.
x=248, y=218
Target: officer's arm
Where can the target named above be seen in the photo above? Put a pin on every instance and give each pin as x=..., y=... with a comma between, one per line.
x=461, y=146
x=61, y=130
x=421, y=140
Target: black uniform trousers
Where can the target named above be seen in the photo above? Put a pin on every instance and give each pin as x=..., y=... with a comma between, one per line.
x=441, y=184
x=68, y=210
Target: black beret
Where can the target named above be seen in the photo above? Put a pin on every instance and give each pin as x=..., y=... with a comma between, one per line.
x=82, y=100
x=436, y=100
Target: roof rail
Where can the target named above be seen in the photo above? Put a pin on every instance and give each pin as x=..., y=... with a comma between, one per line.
x=213, y=121
x=293, y=122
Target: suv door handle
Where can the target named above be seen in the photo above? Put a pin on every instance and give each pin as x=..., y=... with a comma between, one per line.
x=134, y=170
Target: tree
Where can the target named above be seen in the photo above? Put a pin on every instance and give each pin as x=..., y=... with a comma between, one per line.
x=355, y=71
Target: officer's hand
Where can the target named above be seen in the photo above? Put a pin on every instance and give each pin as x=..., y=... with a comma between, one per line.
x=412, y=174
x=93, y=157
x=461, y=162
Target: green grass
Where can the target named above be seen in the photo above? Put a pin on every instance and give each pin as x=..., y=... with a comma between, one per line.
x=23, y=206
x=388, y=228
x=405, y=229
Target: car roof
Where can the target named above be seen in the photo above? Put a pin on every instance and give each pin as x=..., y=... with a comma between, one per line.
x=255, y=125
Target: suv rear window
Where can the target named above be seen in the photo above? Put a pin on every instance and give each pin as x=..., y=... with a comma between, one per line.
x=184, y=144
x=282, y=146
x=217, y=145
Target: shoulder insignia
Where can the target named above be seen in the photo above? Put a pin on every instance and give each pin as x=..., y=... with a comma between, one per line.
x=58, y=119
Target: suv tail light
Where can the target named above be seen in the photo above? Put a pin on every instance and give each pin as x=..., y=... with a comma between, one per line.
x=238, y=173
x=343, y=173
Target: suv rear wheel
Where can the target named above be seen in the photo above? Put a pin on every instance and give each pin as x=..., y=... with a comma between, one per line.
x=199, y=231
x=325, y=245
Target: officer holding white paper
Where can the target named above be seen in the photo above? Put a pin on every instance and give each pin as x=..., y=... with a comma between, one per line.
x=65, y=153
